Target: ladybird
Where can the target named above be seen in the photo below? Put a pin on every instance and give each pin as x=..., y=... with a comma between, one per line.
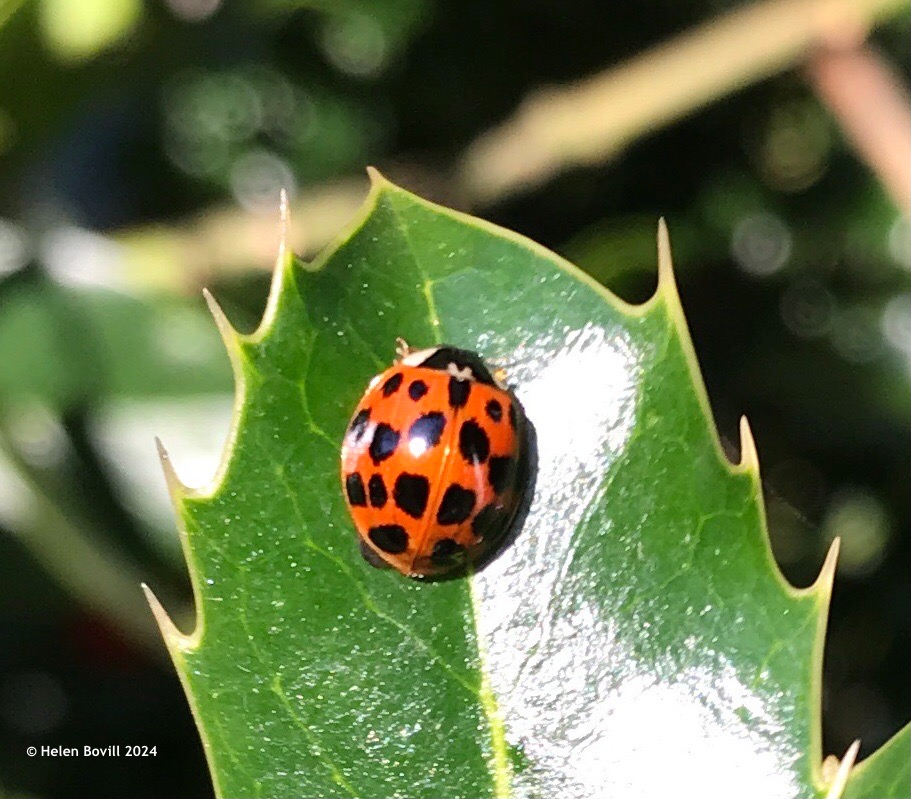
x=432, y=462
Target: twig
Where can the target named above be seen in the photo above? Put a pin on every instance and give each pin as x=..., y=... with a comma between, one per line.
x=592, y=120
x=223, y=240
x=868, y=100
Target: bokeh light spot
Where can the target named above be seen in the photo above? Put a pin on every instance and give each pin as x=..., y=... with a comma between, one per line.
x=355, y=44
x=761, y=244
x=856, y=335
x=860, y=520
x=13, y=247
x=257, y=179
x=807, y=308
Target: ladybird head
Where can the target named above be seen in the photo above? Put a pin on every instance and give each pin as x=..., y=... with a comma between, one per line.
x=462, y=364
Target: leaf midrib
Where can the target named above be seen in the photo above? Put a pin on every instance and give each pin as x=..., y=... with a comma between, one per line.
x=500, y=767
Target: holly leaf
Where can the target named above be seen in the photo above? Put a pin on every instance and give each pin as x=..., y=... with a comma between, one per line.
x=634, y=638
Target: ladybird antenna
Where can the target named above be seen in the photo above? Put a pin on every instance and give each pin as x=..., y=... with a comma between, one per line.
x=402, y=348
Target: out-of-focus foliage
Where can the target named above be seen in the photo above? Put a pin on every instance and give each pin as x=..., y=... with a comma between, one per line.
x=79, y=29
x=793, y=271
x=136, y=348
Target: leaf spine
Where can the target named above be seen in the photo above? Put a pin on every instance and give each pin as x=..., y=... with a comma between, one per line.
x=666, y=279
x=749, y=457
x=837, y=788
x=229, y=335
x=284, y=212
x=176, y=487
x=175, y=640
x=823, y=583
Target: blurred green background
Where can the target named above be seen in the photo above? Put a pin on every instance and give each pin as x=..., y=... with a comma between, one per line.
x=143, y=144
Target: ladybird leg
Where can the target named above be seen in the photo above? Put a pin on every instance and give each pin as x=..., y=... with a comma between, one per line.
x=372, y=558
x=402, y=349
x=499, y=377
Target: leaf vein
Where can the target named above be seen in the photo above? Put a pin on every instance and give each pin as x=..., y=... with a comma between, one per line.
x=426, y=282
x=370, y=603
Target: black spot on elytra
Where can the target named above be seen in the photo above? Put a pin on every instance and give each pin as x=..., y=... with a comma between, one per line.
x=494, y=410
x=458, y=392
x=444, y=550
x=500, y=471
x=376, y=489
x=428, y=428
x=392, y=385
x=417, y=389
x=489, y=520
x=391, y=538
x=385, y=440
x=410, y=493
x=354, y=488
x=456, y=505
x=513, y=415
x=359, y=425
x=473, y=442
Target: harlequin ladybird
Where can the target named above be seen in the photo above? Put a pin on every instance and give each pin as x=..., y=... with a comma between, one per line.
x=432, y=462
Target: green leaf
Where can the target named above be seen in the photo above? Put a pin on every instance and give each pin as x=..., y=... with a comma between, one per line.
x=137, y=347
x=635, y=637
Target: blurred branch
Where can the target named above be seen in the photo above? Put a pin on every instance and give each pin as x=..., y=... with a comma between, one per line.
x=592, y=120
x=552, y=130
x=225, y=240
x=870, y=103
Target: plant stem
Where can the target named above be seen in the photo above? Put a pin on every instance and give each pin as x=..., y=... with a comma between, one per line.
x=591, y=120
